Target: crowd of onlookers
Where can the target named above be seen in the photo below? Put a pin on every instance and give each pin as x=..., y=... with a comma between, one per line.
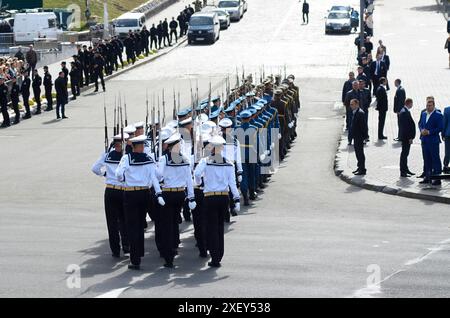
x=367, y=89
x=19, y=76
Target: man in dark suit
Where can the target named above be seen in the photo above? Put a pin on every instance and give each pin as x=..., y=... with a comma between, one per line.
x=406, y=134
x=365, y=100
x=348, y=85
x=352, y=94
x=305, y=11
x=430, y=125
x=360, y=133
x=378, y=70
x=382, y=107
x=399, y=102
x=61, y=95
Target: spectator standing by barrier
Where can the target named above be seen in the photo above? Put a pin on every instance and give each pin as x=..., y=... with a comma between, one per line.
x=4, y=103
x=32, y=59
x=61, y=95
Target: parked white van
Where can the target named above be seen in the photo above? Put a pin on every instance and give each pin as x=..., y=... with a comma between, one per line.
x=129, y=21
x=30, y=26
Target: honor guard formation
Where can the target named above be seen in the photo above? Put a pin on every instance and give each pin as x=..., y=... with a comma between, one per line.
x=200, y=163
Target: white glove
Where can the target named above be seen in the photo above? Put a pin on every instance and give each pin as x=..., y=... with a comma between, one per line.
x=239, y=179
x=237, y=207
x=192, y=205
x=279, y=136
x=161, y=201
x=267, y=152
x=272, y=146
x=262, y=157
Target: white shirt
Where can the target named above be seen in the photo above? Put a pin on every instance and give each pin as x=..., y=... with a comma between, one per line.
x=106, y=167
x=175, y=175
x=217, y=177
x=429, y=115
x=137, y=174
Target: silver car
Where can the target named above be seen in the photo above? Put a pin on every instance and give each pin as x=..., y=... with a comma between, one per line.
x=224, y=17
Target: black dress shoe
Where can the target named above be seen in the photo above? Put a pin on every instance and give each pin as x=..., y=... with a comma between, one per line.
x=436, y=182
x=213, y=264
x=233, y=213
x=4, y=125
x=134, y=267
x=446, y=170
x=404, y=175
x=425, y=181
x=26, y=116
x=246, y=202
x=356, y=171
x=38, y=112
x=48, y=109
x=411, y=173
x=168, y=265
x=382, y=138
x=360, y=173
x=65, y=117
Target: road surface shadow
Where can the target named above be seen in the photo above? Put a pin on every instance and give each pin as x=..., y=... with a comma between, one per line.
x=429, y=8
x=53, y=121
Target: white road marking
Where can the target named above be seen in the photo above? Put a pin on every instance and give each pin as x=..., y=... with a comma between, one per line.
x=285, y=20
x=370, y=291
x=113, y=293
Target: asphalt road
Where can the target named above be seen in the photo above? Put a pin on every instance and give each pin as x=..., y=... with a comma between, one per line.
x=309, y=235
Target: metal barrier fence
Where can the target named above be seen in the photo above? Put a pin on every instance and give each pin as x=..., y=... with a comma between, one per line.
x=153, y=7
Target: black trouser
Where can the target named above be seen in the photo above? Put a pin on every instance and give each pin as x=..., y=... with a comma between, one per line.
x=99, y=74
x=115, y=220
x=381, y=122
x=166, y=37
x=306, y=14
x=26, y=104
x=199, y=220
x=49, y=97
x=172, y=33
x=135, y=203
x=168, y=221
x=376, y=84
x=86, y=76
x=398, y=125
x=60, y=106
x=359, y=152
x=160, y=38
x=75, y=87
x=37, y=98
x=4, y=107
x=145, y=47
x=15, y=107
x=130, y=56
x=31, y=69
x=154, y=40
x=406, y=147
x=215, y=206
x=119, y=56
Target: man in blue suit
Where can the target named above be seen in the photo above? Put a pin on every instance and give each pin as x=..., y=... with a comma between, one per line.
x=446, y=137
x=430, y=125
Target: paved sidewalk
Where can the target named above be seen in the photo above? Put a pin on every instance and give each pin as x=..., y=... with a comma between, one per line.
x=415, y=37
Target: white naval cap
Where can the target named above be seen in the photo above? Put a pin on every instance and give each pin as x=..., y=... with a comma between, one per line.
x=139, y=124
x=185, y=121
x=118, y=137
x=217, y=140
x=172, y=124
x=202, y=118
x=211, y=124
x=138, y=140
x=225, y=123
x=130, y=129
x=166, y=132
x=176, y=137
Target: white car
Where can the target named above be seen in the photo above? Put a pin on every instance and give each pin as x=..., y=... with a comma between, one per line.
x=338, y=21
x=235, y=8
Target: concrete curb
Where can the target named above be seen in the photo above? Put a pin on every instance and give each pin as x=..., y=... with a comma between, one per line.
x=138, y=63
x=342, y=171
